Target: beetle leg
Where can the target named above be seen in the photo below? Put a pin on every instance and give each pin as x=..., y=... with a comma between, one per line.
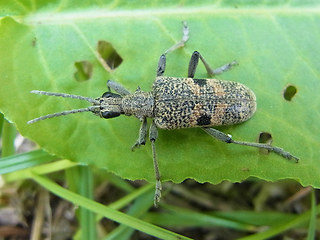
x=221, y=69
x=117, y=88
x=185, y=37
x=194, y=63
x=161, y=65
x=218, y=70
x=194, y=60
x=153, y=135
x=162, y=61
x=227, y=138
x=142, y=135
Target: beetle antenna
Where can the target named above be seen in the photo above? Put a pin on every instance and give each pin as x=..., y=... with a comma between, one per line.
x=58, y=114
x=64, y=95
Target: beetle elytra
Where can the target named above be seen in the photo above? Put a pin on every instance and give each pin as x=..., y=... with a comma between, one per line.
x=177, y=102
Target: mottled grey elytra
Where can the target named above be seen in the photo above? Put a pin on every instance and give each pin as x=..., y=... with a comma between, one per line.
x=189, y=102
x=177, y=102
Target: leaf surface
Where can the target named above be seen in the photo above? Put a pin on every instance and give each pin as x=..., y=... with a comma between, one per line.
x=275, y=45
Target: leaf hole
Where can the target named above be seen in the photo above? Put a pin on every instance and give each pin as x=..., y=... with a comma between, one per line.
x=289, y=92
x=266, y=138
x=83, y=71
x=109, y=55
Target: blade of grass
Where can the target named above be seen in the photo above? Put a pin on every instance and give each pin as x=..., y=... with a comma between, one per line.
x=1, y=123
x=119, y=204
x=140, y=206
x=313, y=217
x=256, y=218
x=80, y=180
x=24, y=160
x=282, y=227
x=181, y=217
x=43, y=169
x=131, y=196
x=106, y=211
x=8, y=137
x=117, y=181
x=86, y=217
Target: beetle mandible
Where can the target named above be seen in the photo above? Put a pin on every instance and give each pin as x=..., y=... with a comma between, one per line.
x=177, y=102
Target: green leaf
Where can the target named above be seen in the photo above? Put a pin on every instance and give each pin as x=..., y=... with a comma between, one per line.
x=276, y=46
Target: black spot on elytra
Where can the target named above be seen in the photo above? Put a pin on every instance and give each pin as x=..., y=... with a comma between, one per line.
x=203, y=120
x=200, y=82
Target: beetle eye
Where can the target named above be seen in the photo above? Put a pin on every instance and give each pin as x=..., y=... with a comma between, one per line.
x=110, y=114
x=110, y=94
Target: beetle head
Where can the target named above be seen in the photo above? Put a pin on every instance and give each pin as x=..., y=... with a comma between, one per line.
x=110, y=105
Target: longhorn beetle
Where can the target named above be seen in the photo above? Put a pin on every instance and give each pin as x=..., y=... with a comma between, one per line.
x=177, y=102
